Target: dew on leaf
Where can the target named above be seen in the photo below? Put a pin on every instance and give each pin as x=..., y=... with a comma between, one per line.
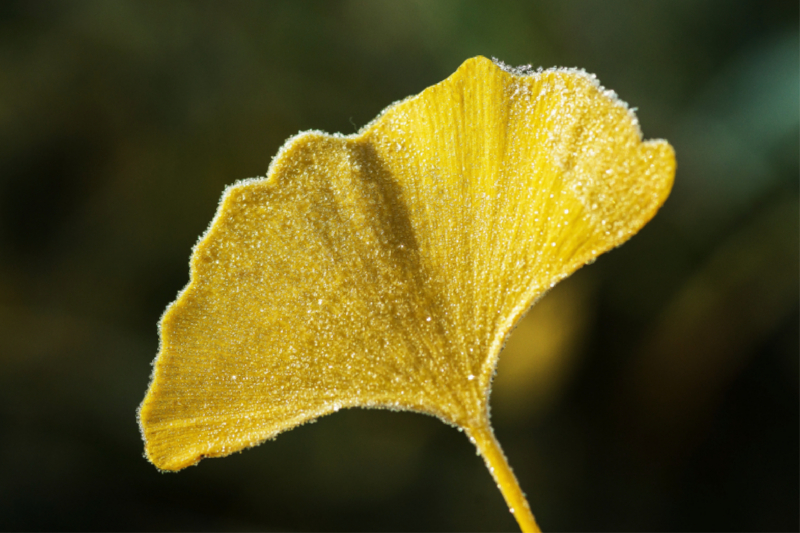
x=407, y=250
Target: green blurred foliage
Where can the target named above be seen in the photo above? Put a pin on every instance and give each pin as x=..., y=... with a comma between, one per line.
x=122, y=122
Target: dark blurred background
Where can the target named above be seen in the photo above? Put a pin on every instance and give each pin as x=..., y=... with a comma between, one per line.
x=655, y=390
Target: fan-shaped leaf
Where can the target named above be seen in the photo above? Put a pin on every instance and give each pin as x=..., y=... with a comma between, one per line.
x=385, y=269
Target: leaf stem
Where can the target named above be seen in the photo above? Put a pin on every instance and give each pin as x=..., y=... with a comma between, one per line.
x=489, y=448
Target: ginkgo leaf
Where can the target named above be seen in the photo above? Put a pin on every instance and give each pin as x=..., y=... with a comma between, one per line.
x=385, y=269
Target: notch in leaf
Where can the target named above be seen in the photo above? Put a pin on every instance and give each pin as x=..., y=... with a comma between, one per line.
x=385, y=269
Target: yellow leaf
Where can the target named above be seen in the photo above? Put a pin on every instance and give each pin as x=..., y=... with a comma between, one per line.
x=385, y=269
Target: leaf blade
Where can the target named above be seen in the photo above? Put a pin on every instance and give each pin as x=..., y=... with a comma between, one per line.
x=386, y=269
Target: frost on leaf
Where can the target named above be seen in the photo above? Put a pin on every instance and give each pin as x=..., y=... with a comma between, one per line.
x=385, y=269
